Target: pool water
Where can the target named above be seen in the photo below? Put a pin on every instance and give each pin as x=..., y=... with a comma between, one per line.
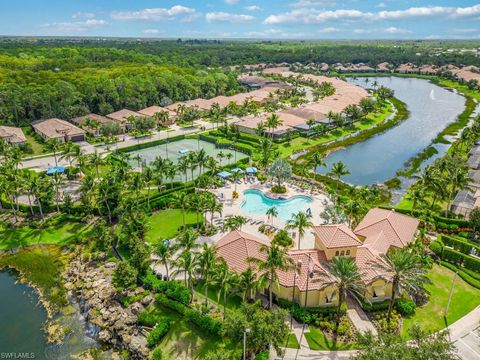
x=256, y=203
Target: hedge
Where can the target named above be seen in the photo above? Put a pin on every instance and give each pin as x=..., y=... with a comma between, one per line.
x=226, y=144
x=158, y=332
x=172, y=289
x=204, y=322
x=459, y=259
x=463, y=274
x=459, y=244
x=308, y=315
x=151, y=143
x=443, y=221
x=375, y=306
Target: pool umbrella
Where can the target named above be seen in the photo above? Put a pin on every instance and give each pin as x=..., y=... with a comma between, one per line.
x=55, y=169
x=238, y=170
x=251, y=170
x=224, y=174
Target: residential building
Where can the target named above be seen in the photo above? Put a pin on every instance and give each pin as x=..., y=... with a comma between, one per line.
x=152, y=110
x=12, y=135
x=82, y=121
x=121, y=117
x=60, y=130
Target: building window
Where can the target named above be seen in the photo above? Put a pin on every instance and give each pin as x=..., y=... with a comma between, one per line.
x=342, y=253
x=348, y=252
x=336, y=253
x=374, y=294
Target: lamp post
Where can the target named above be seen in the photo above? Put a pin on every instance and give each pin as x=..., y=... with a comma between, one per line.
x=297, y=269
x=247, y=331
x=450, y=295
x=309, y=275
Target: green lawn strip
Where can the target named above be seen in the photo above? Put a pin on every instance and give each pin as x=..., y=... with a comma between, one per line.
x=41, y=267
x=164, y=224
x=186, y=341
x=292, y=342
x=233, y=301
x=37, y=148
x=57, y=232
x=317, y=340
x=430, y=317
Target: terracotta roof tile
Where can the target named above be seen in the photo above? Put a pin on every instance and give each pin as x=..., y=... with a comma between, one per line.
x=338, y=235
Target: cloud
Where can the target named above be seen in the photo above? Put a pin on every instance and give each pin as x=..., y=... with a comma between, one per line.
x=395, y=30
x=154, y=14
x=83, y=15
x=228, y=17
x=231, y=2
x=389, y=30
x=313, y=3
x=75, y=26
x=381, y=5
x=313, y=16
x=253, y=8
x=151, y=31
x=465, y=30
x=328, y=30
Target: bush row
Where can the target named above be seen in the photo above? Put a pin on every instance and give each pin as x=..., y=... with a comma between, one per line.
x=308, y=315
x=459, y=244
x=459, y=259
x=225, y=144
x=158, y=332
x=148, y=319
x=375, y=306
x=172, y=289
x=439, y=220
x=204, y=322
x=150, y=144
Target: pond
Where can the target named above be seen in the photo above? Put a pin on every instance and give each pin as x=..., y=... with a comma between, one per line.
x=174, y=150
x=22, y=320
x=377, y=159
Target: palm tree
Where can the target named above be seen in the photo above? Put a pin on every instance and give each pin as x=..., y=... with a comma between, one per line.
x=213, y=207
x=202, y=159
x=346, y=277
x=207, y=261
x=234, y=223
x=54, y=146
x=276, y=259
x=301, y=222
x=96, y=160
x=165, y=253
x=416, y=194
x=273, y=122
x=70, y=151
x=137, y=183
x=58, y=182
x=272, y=212
x=179, y=200
x=187, y=262
x=148, y=177
x=316, y=160
x=337, y=171
x=187, y=241
x=226, y=281
x=182, y=167
x=249, y=284
x=407, y=274
x=265, y=153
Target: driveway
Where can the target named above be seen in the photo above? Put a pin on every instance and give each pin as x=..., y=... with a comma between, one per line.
x=468, y=345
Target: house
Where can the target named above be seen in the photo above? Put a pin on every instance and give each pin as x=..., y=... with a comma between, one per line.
x=121, y=117
x=383, y=67
x=12, y=135
x=95, y=131
x=152, y=110
x=465, y=201
x=380, y=231
x=249, y=124
x=60, y=130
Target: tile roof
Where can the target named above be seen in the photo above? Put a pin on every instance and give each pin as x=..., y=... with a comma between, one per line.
x=366, y=260
x=12, y=135
x=382, y=226
x=152, y=110
x=101, y=119
x=122, y=115
x=337, y=235
x=306, y=113
x=55, y=128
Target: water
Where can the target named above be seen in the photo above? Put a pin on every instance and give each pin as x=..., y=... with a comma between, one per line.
x=22, y=319
x=377, y=159
x=257, y=203
x=173, y=151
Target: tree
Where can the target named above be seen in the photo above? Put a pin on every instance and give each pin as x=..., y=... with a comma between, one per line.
x=207, y=261
x=282, y=238
x=337, y=171
x=301, y=222
x=272, y=212
x=165, y=253
x=346, y=277
x=234, y=223
x=273, y=121
x=266, y=327
x=407, y=274
x=276, y=259
x=58, y=182
x=179, y=200
x=266, y=153
x=187, y=262
x=422, y=346
x=249, y=284
x=316, y=160
x=281, y=170
x=475, y=219
x=187, y=241
x=226, y=281
x=54, y=146
x=124, y=276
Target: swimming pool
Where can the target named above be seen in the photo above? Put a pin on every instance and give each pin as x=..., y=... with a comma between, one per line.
x=256, y=203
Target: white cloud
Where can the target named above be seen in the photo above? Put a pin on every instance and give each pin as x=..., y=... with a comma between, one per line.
x=395, y=30
x=313, y=3
x=75, y=26
x=381, y=5
x=328, y=30
x=465, y=30
x=389, y=30
x=253, y=8
x=313, y=16
x=151, y=31
x=153, y=14
x=83, y=15
x=228, y=17
x=231, y=2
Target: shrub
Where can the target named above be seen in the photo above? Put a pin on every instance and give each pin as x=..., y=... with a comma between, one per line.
x=172, y=288
x=436, y=247
x=158, y=333
x=375, y=307
x=147, y=318
x=279, y=189
x=157, y=354
x=405, y=307
x=124, y=275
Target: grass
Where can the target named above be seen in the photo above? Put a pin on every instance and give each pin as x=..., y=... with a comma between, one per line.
x=233, y=301
x=430, y=317
x=185, y=341
x=42, y=267
x=317, y=340
x=164, y=224
x=57, y=231
x=292, y=342
x=37, y=148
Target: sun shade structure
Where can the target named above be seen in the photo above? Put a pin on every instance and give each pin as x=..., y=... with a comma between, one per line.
x=251, y=170
x=224, y=174
x=55, y=170
x=238, y=170
x=183, y=151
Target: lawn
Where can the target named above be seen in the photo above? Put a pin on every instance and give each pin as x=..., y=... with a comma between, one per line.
x=233, y=301
x=430, y=317
x=292, y=341
x=164, y=224
x=317, y=340
x=57, y=231
x=185, y=341
x=37, y=148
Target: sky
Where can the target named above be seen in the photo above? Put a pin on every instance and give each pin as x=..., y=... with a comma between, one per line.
x=255, y=19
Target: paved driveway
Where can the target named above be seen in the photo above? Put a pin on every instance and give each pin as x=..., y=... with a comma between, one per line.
x=468, y=345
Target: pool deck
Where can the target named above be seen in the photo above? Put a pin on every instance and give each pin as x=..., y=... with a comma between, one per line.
x=234, y=207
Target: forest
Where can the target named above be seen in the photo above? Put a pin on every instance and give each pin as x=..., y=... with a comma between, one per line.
x=42, y=78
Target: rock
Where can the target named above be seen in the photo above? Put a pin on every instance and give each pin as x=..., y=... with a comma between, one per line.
x=136, y=308
x=147, y=300
x=104, y=335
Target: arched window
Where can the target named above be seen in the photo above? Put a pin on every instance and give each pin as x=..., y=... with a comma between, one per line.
x=336, y=253
x=342, y=253
x=348, y=252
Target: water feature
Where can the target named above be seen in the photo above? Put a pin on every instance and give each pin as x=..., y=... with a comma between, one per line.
x=23, y=318
x=174, y=150
x=377, y=159
x=257, y=203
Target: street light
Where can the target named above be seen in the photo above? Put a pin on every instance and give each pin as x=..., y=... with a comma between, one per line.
x=247, y=331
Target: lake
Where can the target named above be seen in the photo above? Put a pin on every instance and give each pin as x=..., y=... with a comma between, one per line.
x=22, y=319
x=377, y=159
